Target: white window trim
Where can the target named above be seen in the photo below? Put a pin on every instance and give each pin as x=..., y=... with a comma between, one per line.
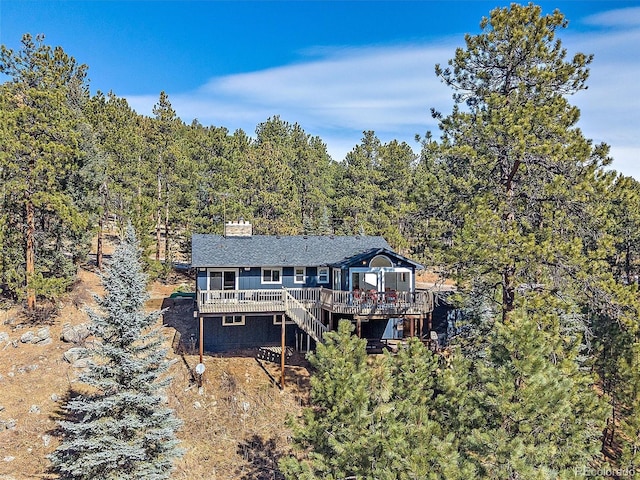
x=271, y=269
x=282, y=315
x=235, y=270
x=295, y=275
x=323, y=272
x=233, y=322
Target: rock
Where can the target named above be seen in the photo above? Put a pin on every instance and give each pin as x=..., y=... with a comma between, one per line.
x=197, y=405
x=1, y=407
x=42, y=335
x=34, y=409
x=82, y=363
x=54, y=397
x=73, y=354
x=46, y=440
x=75, y=334
x=46, y=341
x=9, y=459
x=32, y=368
x=11, y=423
x=4, y=337
x=27, y=337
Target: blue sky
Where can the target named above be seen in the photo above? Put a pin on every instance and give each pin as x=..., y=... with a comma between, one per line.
x=335, y=67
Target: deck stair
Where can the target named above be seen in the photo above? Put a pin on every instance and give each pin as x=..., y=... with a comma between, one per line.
x=302, y=317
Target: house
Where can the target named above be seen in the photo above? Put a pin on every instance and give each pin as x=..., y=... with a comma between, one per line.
x=248, y=285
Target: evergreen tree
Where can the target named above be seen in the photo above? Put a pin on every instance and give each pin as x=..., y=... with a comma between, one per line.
x=120, y=428
x=533, y=412
x=522, y=175
x=39, y=156
x=629, y=438
x=336, y=427
x=373, y=418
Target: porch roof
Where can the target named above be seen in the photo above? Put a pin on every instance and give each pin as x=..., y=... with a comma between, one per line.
x=280, y=251
x=359, y=257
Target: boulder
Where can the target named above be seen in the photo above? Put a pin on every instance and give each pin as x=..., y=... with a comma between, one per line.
x=75, y=334
x=41, y=335
x=82, y=363
x=73, y=354
x=27, y=337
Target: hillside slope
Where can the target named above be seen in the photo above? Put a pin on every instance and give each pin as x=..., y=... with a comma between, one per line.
x=234, y=426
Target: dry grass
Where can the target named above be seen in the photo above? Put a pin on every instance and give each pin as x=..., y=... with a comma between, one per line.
x=233, y=427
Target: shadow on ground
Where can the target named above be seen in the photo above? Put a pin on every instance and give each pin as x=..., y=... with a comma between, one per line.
x=262, y=456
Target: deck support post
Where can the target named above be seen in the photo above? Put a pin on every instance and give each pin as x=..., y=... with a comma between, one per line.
x=283, y=352
x=201, y=337
x=429, y=322
x=412, y=327
x=358, y=327
x=420, y=327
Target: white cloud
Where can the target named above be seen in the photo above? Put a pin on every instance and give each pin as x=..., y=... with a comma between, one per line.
x=391, y=89
x=388, y=90
x=623, y=17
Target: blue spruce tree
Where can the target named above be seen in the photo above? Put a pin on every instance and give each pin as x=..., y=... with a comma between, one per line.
x=120, y=428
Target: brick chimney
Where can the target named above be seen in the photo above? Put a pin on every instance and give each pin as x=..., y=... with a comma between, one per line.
x=238, y=229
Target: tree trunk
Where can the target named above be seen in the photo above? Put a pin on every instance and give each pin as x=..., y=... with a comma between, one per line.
x=99, y=247
x=508, y=294
x=158, y=216
x=508, y=288
x=30, y=254
x=166, y=221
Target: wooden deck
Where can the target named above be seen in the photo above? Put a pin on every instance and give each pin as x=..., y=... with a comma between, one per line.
x=353, y=303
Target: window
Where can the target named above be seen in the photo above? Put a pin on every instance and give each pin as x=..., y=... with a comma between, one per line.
x=299, y=274
x=230, y=320
x=271, y=275
x=222, y=279
x=277, y=320
x=323, y=274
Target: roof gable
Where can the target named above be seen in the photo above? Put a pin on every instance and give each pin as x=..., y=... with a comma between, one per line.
x=367, y=255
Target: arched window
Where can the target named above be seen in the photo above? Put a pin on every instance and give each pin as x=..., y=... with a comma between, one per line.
x=380, y=261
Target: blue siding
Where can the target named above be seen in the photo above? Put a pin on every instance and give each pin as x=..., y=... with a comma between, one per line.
x=257, y=331
x=252, y=279
x=202, y=280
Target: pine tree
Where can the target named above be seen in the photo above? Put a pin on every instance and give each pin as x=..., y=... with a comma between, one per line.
x=531, y=411
x=373, y=418
x=40, y=154
x=336, y=427
x=522, y=175
x=120, y=428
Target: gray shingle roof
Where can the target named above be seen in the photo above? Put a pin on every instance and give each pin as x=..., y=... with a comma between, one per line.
x=278, y=251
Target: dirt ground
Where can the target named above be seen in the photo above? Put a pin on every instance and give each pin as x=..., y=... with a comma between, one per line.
x=233, y=426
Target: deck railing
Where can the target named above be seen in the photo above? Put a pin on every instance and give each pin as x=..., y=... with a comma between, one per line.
x=371, y=303
x=240, y=301
x=298, y=304
x=301, y=315
x=274, y=300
